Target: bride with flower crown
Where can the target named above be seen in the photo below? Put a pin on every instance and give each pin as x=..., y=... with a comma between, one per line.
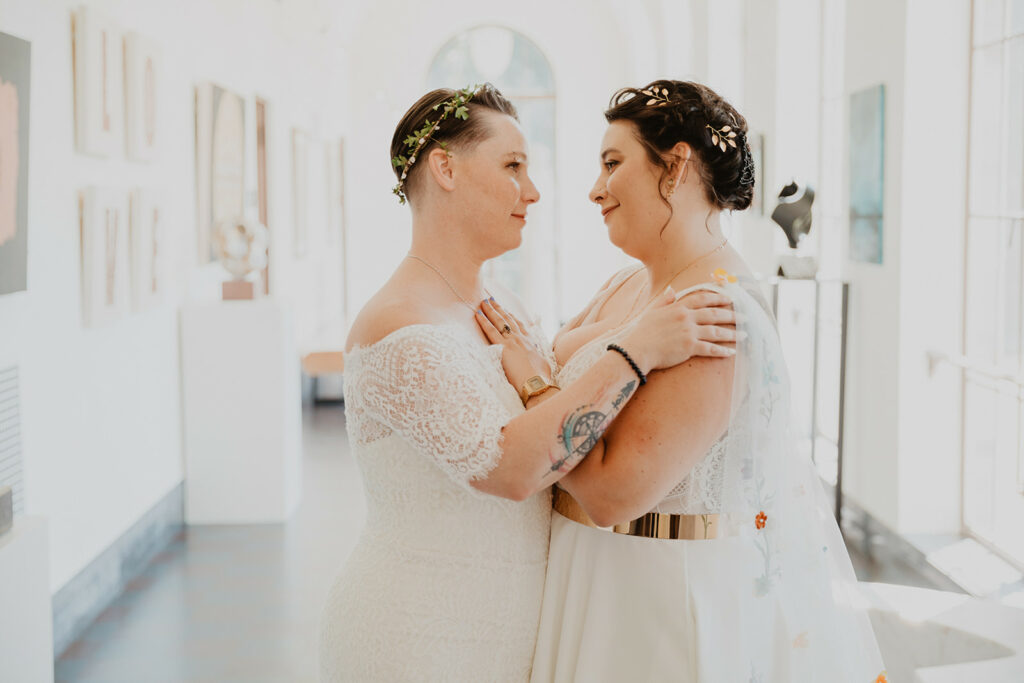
x=446, y=580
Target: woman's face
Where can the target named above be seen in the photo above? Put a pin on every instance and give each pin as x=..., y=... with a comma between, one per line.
x=627, y=190
x=497, y=186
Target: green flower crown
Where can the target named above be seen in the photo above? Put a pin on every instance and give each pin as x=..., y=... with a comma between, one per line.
x=457, y=106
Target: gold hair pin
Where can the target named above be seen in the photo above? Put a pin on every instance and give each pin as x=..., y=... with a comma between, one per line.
x=658, y=98
x=722, y=136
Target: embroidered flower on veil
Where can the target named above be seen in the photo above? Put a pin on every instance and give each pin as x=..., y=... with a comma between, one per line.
x=723, y=277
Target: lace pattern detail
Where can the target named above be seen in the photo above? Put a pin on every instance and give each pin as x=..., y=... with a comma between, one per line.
x=445, y=583
x=435, y=386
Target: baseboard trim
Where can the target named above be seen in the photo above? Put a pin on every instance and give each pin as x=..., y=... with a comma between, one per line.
x=877, y=541
x=77, y=604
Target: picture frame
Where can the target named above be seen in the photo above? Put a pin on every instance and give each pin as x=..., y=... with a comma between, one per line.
x=867, y=175
x=142, y=70
x=15, y=84
x=300, y=192
x=147, y=243
x=98, y=83
x=262, y=195
x=220, y=163
x=104, y=255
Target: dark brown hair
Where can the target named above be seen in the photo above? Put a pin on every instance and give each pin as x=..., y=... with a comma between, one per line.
x=455, y=132
x=727, y=176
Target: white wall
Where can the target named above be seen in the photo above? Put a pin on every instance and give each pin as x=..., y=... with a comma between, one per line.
x=934, y=184
x=101, y=407
x=875, y=54
x=904, y=420
x=902, y=427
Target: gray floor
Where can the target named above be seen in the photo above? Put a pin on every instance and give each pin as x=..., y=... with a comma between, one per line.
x=235, y=603
x=241, y=603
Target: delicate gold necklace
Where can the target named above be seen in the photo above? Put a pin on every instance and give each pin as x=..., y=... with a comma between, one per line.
x=674, y=276
x=447, y=281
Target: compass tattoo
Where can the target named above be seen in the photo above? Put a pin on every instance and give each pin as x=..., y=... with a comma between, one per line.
x=582, y=429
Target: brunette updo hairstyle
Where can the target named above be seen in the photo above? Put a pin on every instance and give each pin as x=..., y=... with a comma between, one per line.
x=454, y=132
x=727, y=175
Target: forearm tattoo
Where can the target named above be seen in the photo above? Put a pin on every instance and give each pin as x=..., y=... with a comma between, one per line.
x=582, y=429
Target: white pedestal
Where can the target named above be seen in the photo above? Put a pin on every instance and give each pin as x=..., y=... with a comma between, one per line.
x=26, y=613
x=242, y=410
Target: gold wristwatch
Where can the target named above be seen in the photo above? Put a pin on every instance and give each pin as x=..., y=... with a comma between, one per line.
x=535, y=386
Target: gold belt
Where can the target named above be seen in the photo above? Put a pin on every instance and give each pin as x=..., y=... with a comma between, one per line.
x=651, y=525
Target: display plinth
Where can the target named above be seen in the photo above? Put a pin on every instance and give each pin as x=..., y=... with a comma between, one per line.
x=242, y=403
x=26, y=612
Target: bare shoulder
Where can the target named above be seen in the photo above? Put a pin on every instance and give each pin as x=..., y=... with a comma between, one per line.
x=620, y=284
x=619, y=278
x=386, y=312
x=730, y=262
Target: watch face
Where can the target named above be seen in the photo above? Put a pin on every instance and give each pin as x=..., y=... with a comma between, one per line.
x=535, y=383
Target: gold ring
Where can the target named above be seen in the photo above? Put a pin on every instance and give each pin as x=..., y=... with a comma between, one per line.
x=506, y=330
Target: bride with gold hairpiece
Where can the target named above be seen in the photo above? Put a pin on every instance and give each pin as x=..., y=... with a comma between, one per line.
x=693, y=543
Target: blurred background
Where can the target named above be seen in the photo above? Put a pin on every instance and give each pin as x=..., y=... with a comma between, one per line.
x=195, y=201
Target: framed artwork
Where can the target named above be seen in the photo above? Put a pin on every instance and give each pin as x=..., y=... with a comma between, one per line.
x=141, y=77
x=262, y=199
x=104, y=232
x=336, y=228
x=220, y=162
x=97, y=67
x=867, y=174
x=756, y=142
x=300, y=191
x=146, y=246
x=15, y=56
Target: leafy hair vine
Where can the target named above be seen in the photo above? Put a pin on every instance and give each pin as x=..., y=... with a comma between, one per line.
x=457, y=106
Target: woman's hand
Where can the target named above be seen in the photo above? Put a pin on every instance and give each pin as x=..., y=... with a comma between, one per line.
x=521, y=358
x=670, y=332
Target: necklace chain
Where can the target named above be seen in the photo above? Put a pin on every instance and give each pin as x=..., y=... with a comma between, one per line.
x=434, y=268
x=675, y=275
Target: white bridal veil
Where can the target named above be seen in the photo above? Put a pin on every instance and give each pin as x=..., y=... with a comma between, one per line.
x=772, y=497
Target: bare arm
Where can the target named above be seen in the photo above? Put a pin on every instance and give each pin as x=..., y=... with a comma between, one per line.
x=548, y=441
x=542, y=445
x=667, y=428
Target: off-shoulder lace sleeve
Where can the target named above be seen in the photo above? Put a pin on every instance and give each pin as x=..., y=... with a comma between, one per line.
x=429, y=384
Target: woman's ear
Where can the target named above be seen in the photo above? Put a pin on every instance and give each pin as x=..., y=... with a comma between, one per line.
x=442, y=169
x=679, y=158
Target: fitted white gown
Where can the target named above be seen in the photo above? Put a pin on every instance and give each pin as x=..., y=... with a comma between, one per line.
x=764, y=602
x=445, y=583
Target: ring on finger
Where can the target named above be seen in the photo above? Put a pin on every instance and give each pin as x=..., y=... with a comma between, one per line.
x=505, y=330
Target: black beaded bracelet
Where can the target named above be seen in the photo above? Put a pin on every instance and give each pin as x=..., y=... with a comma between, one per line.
x=632, y=363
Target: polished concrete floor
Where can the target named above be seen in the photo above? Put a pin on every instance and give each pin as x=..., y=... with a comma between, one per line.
x=235, y=603
x=241, y=603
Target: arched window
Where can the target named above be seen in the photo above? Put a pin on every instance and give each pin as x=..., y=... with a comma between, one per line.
x=517, y=67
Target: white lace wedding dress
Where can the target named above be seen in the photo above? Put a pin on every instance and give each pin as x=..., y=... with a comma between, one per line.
x=767, y=601
x=445, y=583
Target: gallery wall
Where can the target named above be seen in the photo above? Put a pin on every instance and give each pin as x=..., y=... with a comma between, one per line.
x=100, y=405
x=903, y=411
